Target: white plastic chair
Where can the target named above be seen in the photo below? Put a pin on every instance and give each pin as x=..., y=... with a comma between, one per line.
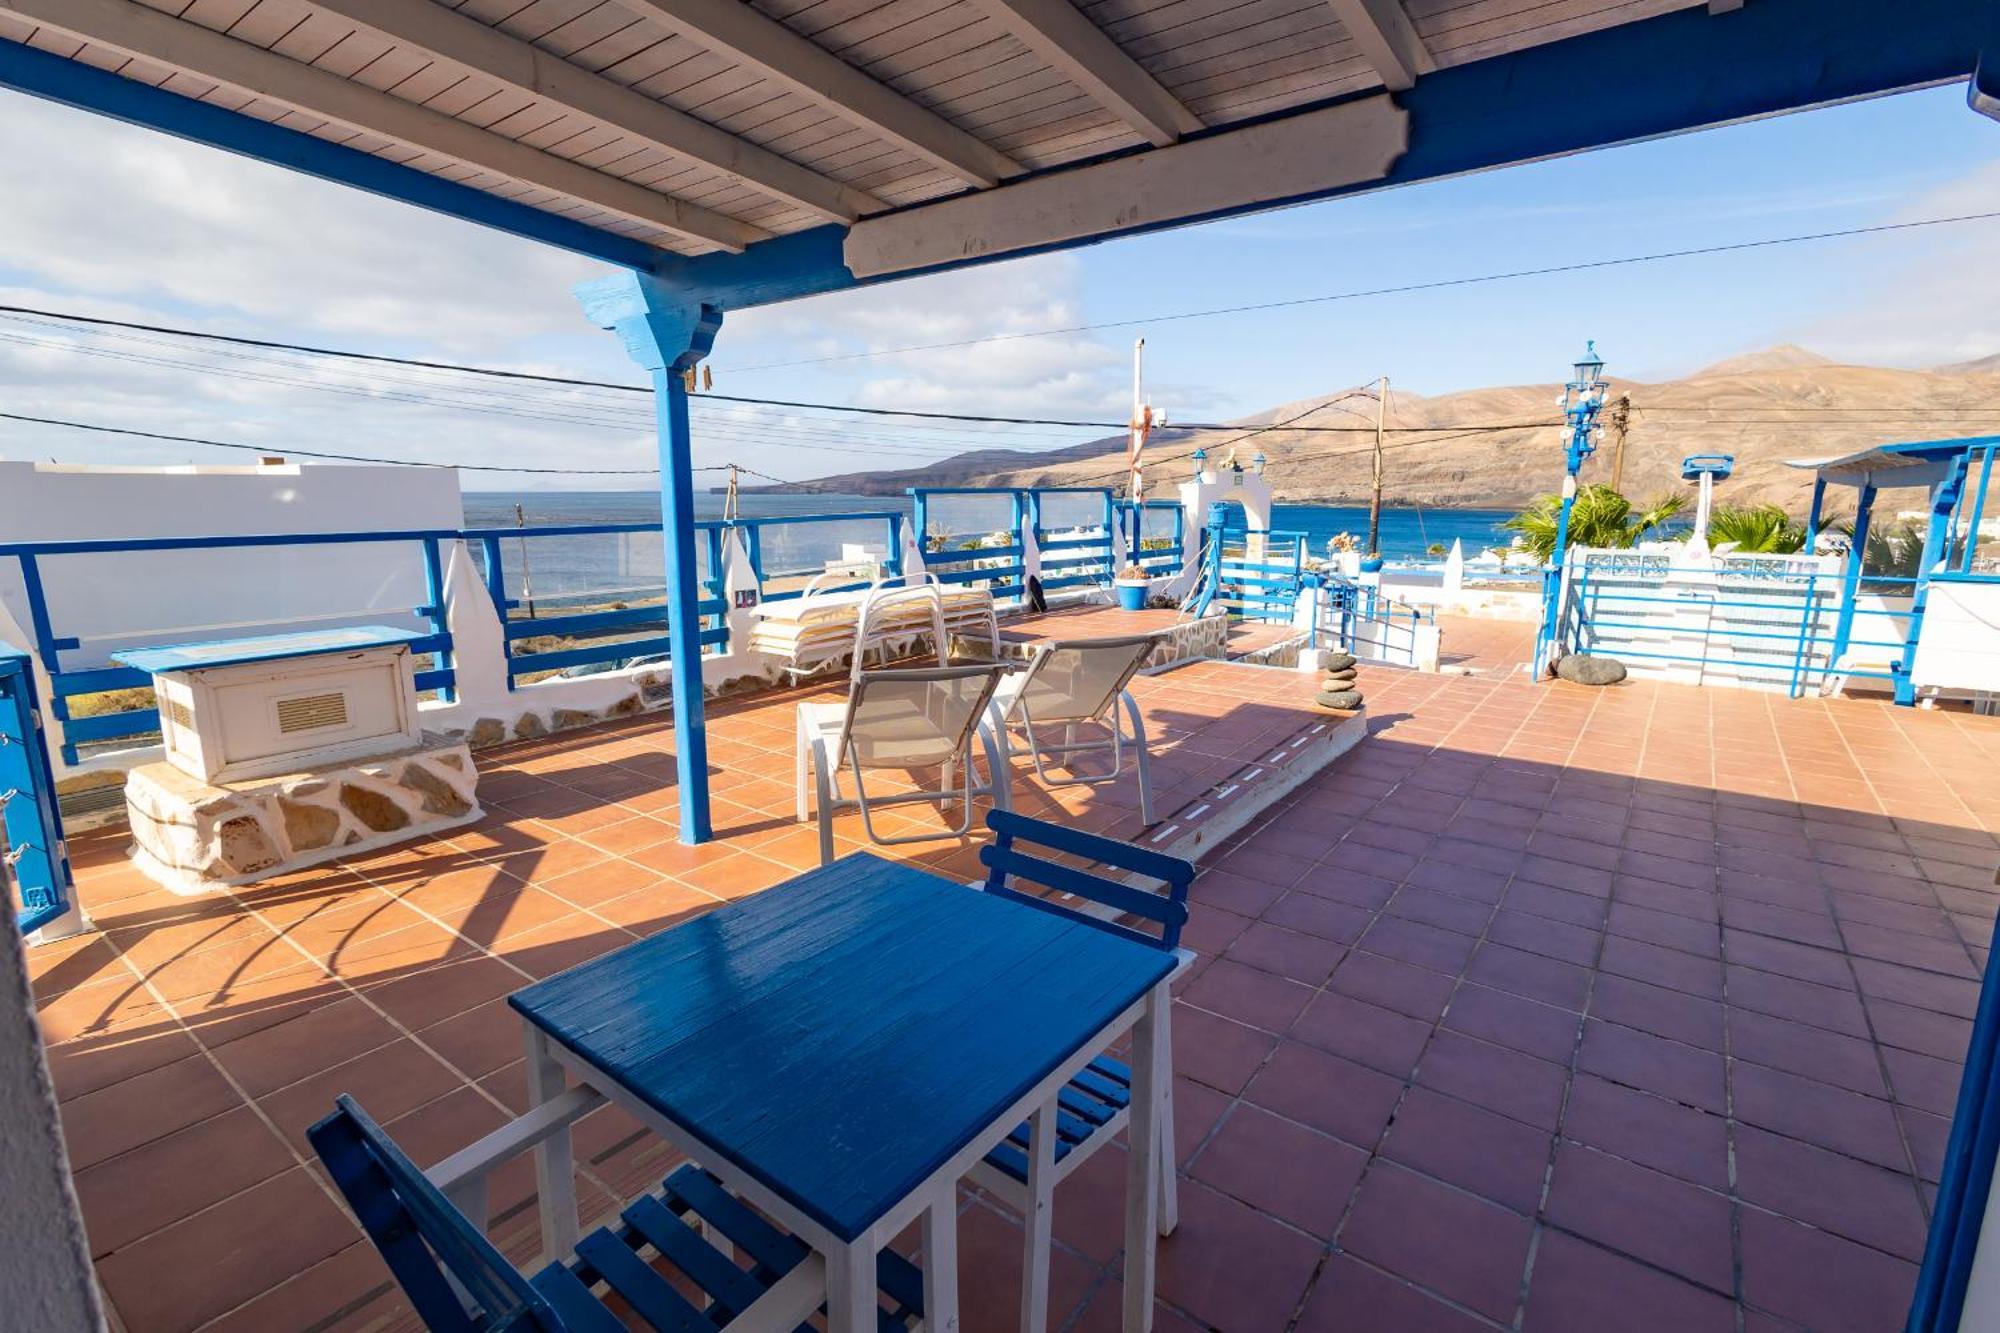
x=1071, y=683
x=898, y=719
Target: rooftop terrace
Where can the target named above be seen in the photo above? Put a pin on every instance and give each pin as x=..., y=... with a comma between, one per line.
x=1545, y=1008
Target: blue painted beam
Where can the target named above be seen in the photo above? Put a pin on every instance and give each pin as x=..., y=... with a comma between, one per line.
x=27, y=70
x=1683, y=71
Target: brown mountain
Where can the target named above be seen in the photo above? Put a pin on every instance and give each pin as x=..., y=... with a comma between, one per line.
x=1502, y=446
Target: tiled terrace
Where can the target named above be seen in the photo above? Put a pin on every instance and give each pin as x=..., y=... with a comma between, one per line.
x=1544, y=1008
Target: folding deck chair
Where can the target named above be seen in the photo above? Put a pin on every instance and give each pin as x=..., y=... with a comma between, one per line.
x=1071, y=683
x=1094, y=1108
x=657, y=1263
x=899, y=718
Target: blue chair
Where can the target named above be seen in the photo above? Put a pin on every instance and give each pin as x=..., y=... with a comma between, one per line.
x=1095, y=1105
x=459, y=1283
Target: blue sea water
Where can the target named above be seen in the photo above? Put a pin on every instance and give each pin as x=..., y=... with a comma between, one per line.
x=563, y=566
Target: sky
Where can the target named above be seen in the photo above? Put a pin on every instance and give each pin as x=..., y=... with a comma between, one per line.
x=112, y=220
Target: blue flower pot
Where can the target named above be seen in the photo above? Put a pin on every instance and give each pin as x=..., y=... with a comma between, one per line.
x=1132, y=596
x=1371, y=564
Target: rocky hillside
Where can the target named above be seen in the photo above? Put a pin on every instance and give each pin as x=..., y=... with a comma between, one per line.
x=1782, y=403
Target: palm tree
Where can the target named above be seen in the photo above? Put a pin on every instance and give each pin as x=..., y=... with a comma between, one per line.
x=1895, y=549
x=1757, y=529
x=1600, y=517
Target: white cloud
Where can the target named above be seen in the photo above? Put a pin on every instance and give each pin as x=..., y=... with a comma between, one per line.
x=119, y=222
x=1062, y=375
x=1933, y=308
x=101, y=208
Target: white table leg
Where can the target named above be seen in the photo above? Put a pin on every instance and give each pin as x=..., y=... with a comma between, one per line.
x=1170, y=1192
x=1037, y=1217
x=555, y=1166
x=1142, y=1165
x=851, y=1304
x=940, y=1241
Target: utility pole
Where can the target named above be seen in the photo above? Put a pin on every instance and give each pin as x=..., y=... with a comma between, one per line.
x=1621, y=417
x=1375, y=496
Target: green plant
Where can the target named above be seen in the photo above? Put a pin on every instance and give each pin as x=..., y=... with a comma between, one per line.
x=1435, y=548
x=1758, y=529
x=1601, y=517
x=1895, y=550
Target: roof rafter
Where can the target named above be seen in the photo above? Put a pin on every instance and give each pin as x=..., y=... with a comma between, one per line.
x=472, y=46
x=151, y=35
x=1387, y=40
x=1085, y=54
x=734, y=28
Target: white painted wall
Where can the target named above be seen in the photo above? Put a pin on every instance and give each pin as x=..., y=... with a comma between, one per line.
x=46, y=1281
x=169, y=596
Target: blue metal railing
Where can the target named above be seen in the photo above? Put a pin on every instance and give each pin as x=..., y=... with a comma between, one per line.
x=1075, y=555
x=1263, y=585
x=754, y=543
x=1360, y=619
x=1769, y=619
x=1168, y=556
x=65, y=684
x=961, y=557
x=31, y=836
x=1068, y=556
x=608, y=634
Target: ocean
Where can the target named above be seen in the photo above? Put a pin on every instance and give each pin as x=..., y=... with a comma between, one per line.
x=559, y=567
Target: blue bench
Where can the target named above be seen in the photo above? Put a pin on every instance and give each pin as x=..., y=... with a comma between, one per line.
x=459, y=1283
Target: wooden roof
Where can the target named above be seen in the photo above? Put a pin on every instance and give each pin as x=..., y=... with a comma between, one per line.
x=673, y=130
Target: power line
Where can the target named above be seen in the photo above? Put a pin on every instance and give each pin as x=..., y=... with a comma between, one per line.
x=343, y=458
x=1549, y=270
x=308, y=350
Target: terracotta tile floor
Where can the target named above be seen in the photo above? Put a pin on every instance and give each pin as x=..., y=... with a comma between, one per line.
x=1544, y=1008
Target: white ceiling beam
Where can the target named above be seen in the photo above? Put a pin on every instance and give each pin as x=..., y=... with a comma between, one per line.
x=471, y=46
x=734, y=28
x=1087, y=57
x=206, y=54
x=1387, y=40
x=1310, y=153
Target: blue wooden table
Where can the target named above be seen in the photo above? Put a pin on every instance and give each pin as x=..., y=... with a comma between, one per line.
x=842, y=1048
x=264, y=648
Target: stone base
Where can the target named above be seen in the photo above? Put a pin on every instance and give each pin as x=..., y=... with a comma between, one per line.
x=191, y=835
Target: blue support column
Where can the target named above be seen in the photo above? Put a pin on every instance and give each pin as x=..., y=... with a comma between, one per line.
x=1850, y=584
x=1814, y=513
x=1944, y=502
x=669, y=338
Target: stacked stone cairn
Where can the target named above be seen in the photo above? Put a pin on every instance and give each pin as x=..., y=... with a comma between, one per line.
x=1341, y=689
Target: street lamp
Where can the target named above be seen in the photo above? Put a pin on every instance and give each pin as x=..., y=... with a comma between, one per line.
x=1257, y=463
x=1582, y=400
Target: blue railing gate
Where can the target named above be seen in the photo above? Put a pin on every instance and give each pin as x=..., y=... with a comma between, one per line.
x=31, y=837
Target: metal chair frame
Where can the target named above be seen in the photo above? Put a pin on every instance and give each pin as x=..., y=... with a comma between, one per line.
x=1012, y=710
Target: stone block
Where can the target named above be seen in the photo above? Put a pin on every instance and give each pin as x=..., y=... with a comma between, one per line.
x=191, y=835
x=487, y=731
x=440, y=797
x=568, y=719
x=528, y=726
x=308, y=827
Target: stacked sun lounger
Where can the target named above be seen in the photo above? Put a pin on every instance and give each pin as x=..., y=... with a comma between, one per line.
x=810, y=633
